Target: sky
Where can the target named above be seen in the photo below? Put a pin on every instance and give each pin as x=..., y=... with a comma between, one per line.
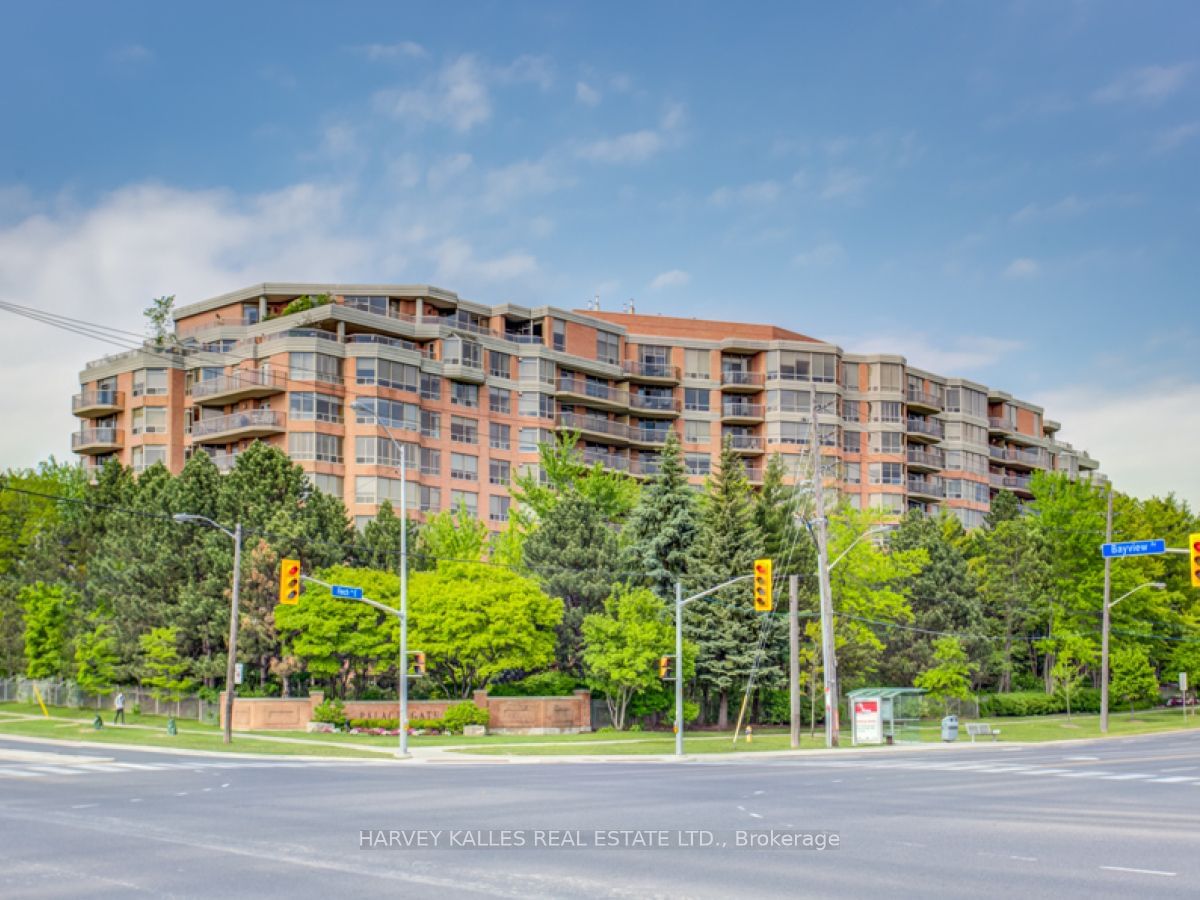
x=1004, y=191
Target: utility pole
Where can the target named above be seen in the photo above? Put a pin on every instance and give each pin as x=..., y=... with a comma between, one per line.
x=231, y=662
x=794, y=656
x=679, y=668
x=828, y=651
x=1108, y=535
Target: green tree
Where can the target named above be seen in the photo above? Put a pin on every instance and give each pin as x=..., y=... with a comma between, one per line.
x=562, y=470
x=163, y=670
x=659, y=533
x=950, y=676
x=622, y=646
x=571, y=554
x=96, y=661
x=159, y=318
x=1073, y=654
x=724, y=627
x=46, y=607
x=1133, y=678
x=1004, y=508
x=452, y=535
x=380, y=541
x=477, y=622
x=1186, y=658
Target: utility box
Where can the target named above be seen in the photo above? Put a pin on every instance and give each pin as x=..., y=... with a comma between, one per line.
x=950, y=728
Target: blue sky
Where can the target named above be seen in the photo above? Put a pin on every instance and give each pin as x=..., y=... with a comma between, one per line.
x=1002, y=191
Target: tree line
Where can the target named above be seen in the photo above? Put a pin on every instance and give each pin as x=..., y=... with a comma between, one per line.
x=98, y=584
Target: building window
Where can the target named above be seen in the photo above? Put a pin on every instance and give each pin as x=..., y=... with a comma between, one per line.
x=464, y=431
x=373, y=450
x=149, y=420
x=310, y=445
x=885, y=376
x=391, y=413
x=459, y=352
x=887, y=442
x=499, y=364
x=431, y=461
x=431, y=386
x=500, y=401
x=498, y=508
x=887, y=411
x=499, y=471
x=695, y=432
x=697, y=463
x=431, y=424
x=697, y=364
x=852, y=441
x=535, y=404
x=788, y=401
x=464, y=467
x=328, y=484
x=468, y=499
x=850, y=376
x=386, y=373
x=530, y=438
x=149, y=382
x=886, y=473
x=315, y=367
x=310, y=406
x=499, y=436
x=608, y=348
x=893, y=503
x=852, y=473
x=560, y=334
x=696, y=399
x=464, y=394
x=851, y=411
x=376, y=305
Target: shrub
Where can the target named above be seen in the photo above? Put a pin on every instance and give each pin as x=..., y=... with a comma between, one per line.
x=388, y=724
x=462, y=714
x=543, y=684
x=1039, y=703
x=332, y=712
x=427, y=724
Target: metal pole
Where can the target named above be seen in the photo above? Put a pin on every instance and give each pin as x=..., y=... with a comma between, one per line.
x=1106, y=623
x=679, y=668
x=828, y=646
x=231, y=660
x=794, y=656
x=403, y=601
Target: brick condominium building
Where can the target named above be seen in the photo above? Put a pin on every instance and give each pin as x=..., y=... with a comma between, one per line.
x=472, y=390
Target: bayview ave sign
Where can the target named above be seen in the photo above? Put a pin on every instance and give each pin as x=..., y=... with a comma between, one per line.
x=1134, y=548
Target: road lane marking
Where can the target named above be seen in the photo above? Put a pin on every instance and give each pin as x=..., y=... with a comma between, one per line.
x=1025, y=858
x=1179, y=769
x=1140, y=871
x=1082, y=758
x=20, y=773
x=56, y=770
x=125, y=765
x=1128, y=776
x=1174, y=779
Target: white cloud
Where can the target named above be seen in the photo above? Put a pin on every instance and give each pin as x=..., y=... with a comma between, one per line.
x=1173, y=138
x=636, y=146
x=1071, y=205
x=844, y=184
x=1149, y=85
x=130, y=55
x=404, y=172
x=508, y=184
x=957, y=355
x=407, y=49
x=448, y=171
x=824, y=254
x=1144, y=439
x=669, y=279
x=586, y=94
x=527, y=69
x=1022, y=267
x=457, y=262
x=758, y=193
x=457, y=96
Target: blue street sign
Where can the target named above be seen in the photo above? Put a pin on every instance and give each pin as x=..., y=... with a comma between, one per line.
x=1134, y=548
x=345, y=593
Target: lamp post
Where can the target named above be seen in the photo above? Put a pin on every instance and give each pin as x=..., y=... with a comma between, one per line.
x=1158, y=586
x=403, y=669
x=231, y=654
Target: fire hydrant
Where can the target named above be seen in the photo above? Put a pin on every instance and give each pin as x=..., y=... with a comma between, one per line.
x=749, y=734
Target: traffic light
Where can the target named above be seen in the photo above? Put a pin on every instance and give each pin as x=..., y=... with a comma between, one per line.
x=418, y=664
x=289, y=582
x=664, y=666
x=1194, y=558
x=762, y=586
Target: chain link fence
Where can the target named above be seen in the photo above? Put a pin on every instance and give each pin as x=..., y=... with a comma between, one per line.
x=69, y=694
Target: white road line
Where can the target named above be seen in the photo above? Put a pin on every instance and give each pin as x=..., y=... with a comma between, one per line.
x=1046, y=771
x=55, y=770
x=1174, y=779
x=1086, y=773
x=84, y=805
x=1025, y=858
x=1179, y=769
x=1082, y=758
x=146, y=766
x=1128, y=776
x=1140, y=871
x=20, y=773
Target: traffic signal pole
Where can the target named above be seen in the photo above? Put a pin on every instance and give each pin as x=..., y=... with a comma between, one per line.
x=231, y=662
x=1105, y=624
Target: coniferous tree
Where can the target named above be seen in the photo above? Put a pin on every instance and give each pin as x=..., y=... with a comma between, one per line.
x=662, y=527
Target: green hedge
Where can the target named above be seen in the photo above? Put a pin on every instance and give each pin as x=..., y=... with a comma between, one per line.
x=1039, y=703
x=544, y=684
x=463, y=714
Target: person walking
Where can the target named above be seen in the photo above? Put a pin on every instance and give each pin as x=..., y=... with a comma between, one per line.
x=119, y=706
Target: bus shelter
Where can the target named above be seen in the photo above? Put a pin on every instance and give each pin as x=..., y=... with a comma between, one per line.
x=885, y=715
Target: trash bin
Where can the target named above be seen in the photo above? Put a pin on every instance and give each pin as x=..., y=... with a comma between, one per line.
x=950, y=728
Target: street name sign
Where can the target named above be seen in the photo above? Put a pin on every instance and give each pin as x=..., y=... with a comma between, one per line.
x=1134, y=548
x=346, y=593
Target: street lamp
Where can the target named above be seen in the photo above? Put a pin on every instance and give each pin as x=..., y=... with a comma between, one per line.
x=358, y=406
x=236, y=536
x=881, y=529
x=1158, y=586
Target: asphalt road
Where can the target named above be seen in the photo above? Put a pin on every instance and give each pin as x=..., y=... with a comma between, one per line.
x=1119, y=818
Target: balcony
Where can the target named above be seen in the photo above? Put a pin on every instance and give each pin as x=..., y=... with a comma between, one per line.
x=651, y=436
x=742, y=381
x=925, y=429
x=463, y=369
x=90, y=404
x=1018, y=483
x=648, y=405
x=645, y=465
x=247, y=384
x=1018, y=458
x=237, y=426
x=593, y=426
x=922, y=401
x=650, y=371
x=999, y=425
x=926, y=459
x=736, y=411
x=97, y=440
x=745, y=443
x=616, y=461
x=591, y=393
x=926, y=487
x=224, y=461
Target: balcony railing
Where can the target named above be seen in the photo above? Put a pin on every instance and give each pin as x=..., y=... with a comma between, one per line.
x=97, y=400
x=650, y=370
x=594, y=424
x=744, y=441
x=925, y=399
x=930, y=427
x=252, y=420
x=926, y=487
x=582, y=387
x=731, y=409
x=742, y=378
x=257, y=381
x=1011, y=482
x=648, y=435
x=651, y=403
x=95, y=438
x=645, y=465
x=1017, y=455
x=383, y=340
x=608, y=460
x=999, y=423
x=931, y=458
